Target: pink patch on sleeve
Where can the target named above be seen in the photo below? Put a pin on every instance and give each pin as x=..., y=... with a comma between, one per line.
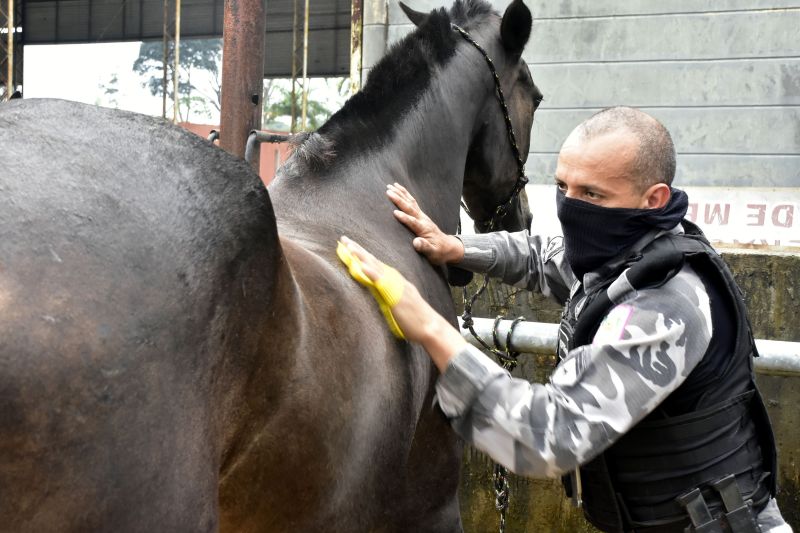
x=612, y=328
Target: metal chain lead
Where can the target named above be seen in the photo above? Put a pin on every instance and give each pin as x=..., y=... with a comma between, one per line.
x=500, y=475
x=506, y=356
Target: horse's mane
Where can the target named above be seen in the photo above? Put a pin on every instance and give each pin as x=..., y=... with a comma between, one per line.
x=394, y=86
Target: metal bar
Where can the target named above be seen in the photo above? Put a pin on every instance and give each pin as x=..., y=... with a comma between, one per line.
x=19, y=41
x=214, y=16
x=776, y=357
x=305, y=70
x=293, y=127
x=175, y=69
x=89, y=22
x=244, y=34
x=165, y=59
x=255, y=139
x=356, y=37
x=10, y=49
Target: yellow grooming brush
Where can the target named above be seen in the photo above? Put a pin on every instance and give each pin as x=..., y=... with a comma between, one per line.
x=387, y=291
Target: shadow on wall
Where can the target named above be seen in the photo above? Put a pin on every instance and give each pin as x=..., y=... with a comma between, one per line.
x=273, y=155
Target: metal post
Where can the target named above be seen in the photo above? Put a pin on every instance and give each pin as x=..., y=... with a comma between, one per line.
x=305, y=69
x=243, y=36
x=164, y=79
x=293, y=127
x=10, y=49
x=175, y=73
x=356, y=39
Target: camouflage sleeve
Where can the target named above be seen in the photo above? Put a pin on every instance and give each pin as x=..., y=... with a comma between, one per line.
x=520, y=259
x=643, y=350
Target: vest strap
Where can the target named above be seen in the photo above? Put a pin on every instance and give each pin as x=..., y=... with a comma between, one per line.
x=698, y=512
x=739, y=513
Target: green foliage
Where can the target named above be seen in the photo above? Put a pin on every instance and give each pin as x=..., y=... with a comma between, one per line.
x=110, y=91
x=278, y=101
x=195, y=55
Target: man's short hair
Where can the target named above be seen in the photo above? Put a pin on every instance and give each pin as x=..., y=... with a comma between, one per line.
x=655, y=159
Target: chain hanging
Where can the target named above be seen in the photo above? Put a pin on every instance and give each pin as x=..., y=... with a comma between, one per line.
x=508, y=358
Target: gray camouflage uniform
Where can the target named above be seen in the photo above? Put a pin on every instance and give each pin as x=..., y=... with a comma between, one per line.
x=643, y=350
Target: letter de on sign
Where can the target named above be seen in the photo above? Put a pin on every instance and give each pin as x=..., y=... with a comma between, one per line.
x=760, y=215
x=788, y=215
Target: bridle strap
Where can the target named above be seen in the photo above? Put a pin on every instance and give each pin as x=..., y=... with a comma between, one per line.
x=522, y=180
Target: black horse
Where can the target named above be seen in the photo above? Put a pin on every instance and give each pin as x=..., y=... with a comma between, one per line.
x=180, y=349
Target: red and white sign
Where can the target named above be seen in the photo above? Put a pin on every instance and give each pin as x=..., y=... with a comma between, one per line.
x=731, y=217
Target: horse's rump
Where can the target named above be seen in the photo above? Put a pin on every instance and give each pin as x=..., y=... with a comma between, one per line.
x=130, y=252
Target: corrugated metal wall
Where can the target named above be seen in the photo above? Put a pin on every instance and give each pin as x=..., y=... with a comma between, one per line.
x=722, y=75
x=94, y=21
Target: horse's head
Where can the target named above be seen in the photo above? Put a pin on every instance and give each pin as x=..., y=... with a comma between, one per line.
x=491, y=172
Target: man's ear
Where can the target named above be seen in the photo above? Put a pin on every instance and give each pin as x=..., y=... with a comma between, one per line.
x=657, y=196
x=417, y=17
x=516, y=27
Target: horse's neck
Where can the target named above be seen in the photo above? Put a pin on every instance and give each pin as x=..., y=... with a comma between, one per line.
x=431, y=144
x=427, y=155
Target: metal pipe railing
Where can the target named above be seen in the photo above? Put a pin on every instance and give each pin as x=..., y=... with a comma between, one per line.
x=776, y=357
x=256, y=138
x=11, y=23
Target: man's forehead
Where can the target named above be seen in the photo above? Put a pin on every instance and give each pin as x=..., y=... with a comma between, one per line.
x=616, y=138
x=602, y=159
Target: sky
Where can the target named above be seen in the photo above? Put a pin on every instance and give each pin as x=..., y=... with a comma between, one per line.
x=79, y=72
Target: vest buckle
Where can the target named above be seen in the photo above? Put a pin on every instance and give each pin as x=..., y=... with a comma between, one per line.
x=695, y=506
x=738, y=513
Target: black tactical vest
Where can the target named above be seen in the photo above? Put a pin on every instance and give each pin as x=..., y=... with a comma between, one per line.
x=634, y=484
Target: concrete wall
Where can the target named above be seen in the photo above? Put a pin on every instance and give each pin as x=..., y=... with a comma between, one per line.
x=722, y=75
x=771, y=284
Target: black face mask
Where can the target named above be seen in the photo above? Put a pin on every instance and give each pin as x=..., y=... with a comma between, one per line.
x=595, y=235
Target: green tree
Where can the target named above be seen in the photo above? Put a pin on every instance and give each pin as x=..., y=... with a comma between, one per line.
x=196, y=55
x=110, y=91
x=278, y=101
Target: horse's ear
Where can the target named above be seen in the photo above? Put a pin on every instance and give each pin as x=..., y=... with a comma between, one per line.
x=417, y=17
x=516, y=27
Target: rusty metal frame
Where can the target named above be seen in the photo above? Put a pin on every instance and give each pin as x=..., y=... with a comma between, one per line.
x=8, y=49
x=176, y=67
x=244, y=35
x=293, y=124
x=164, y=42
x=304, y=110
x=356, y=44
x=10, y=46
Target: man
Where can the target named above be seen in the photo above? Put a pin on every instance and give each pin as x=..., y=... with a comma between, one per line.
x=653, y=407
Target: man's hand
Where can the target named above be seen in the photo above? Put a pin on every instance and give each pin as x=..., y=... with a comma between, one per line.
x=418, y=320
x=439, y=247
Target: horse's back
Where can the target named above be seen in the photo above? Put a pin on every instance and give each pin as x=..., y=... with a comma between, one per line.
x=124, y=247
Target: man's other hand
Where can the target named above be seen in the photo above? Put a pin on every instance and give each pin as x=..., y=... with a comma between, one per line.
x=439, y=247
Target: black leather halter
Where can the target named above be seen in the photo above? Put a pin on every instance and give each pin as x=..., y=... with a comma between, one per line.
x=522, y=180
